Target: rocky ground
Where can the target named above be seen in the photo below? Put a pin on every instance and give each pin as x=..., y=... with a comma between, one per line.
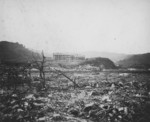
x=108, y=97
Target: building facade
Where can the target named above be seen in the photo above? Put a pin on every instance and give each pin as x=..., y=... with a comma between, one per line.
x=67, y=57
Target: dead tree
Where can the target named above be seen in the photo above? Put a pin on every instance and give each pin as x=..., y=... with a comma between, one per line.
x=59, y=72
x=40, y=65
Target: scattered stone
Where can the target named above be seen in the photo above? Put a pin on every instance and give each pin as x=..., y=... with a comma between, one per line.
x=26, y=103
x=124, y=74
x=106, y=98
x=88, y=87
x=112, y=86
x=110, y=92
x=74, y=112
x=15, y=106
x=81, y=95
x=120, y=84
x=50, y=95
x=111, y=115
x=42, y=119
x=120, y=117
x=14, y=95
x=30, y=96
x=19, y=110
x=114, y=111
x=90, y=106
x=12, y=102
x=58, y=117
x=39, y=104
x=2, y=91
x=94, y=113
x=94, y=93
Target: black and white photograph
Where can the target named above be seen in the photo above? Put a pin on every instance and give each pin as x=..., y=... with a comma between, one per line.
x=74, y=60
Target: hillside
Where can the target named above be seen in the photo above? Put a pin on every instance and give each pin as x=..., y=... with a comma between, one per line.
x=136, y=61
x=107, y=63
x=14, y=52
x=112, y=56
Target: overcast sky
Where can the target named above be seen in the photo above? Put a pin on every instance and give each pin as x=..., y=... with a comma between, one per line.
x=121, y=26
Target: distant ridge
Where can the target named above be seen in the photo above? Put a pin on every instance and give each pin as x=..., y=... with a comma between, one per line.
x=141, y=61
x=115, y=57
x=136, y=61
x=15, y=52
x=99, y=61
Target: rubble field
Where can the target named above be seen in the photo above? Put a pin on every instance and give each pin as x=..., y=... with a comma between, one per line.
x=98, y=97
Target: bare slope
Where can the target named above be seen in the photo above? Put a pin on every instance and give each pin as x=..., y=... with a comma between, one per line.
x=14, y=52
x=99, y=61
x=136, y=61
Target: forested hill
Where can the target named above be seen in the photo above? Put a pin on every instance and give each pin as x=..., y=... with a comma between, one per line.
x=107, y=63
x=15, y=52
